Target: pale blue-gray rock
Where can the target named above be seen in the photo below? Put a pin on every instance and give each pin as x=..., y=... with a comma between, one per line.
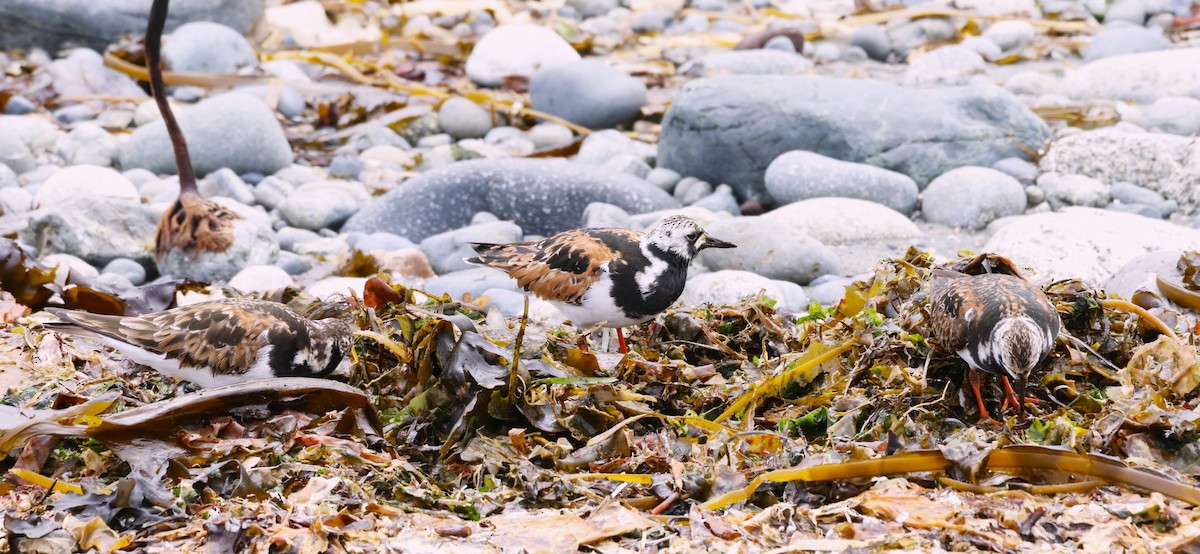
x=127, y=268
x=662, y=178
x=599, y=215
x=517, y=50
x=830, y=289
x=825, y=52
x=19, y=105
x=15, y=154
x=1085, y=243
x=593, y=8
x=944, y=66
x=1073, y=190
x=15, y=200
x=859, y=232
x=1129, y=193
x=727, y=287
x=1177, y=115
x=1139, y=209
x=346, y=167
x=748, y=62
x=691, y=189
x=984, y=47
x=651, y=21
x=82, y=73
x=381, y=241
x=224, y=182
x=317, y=208
x=252, y=245
x=785, y=44
x=289, y=237
x=8, y=177
x=228, y=130
x=84, y=181
x=589, y=93
x=972, y=197
x=74, y=114
x=464, y=119
x=206, y=47
x=1034, y=195
x=547, y=135
x=475, y=280
x=628, y=163
x=801, y=175
x=542, y=196
x=260, y=279
x=1125, y=39
x=55, y=24
x=446, y=251
x=794, y=299
x=1022, y=170
x=721, y=200
x=773, y=248
x=728, y=129
x=1145, y=76
x=295, y=264
x=601, y=146
x=96, y=229
x=1010, y=36
x=919, y=32
x=873, y=40
x=139, y=177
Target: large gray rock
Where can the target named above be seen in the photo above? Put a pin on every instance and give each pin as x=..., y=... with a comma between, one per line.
x=1086, y=243
x=206, y=47
x=799, y=258
x=83, y=73
x=728, y=287
x=542, y=196
x=729, y=129
x=231, y=130
x=446, y=251
x=84, y=181
x=97, y=229
x=587, y=92
x=1073, y=190
x=972, y=197
x=316, y=209
x=15, y=154
x=954, y=64
x=1173, y=114
x=55, y=24
x=802, y=175
x=1165, y=163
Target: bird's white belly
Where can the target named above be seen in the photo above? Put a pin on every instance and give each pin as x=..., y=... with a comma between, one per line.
x=597, y=306
x=204, y=377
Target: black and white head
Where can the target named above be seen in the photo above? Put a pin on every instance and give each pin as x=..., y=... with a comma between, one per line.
x=1020, y=344
x=683, y=237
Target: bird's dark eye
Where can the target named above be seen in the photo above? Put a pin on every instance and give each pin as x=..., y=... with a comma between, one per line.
x=694, y=236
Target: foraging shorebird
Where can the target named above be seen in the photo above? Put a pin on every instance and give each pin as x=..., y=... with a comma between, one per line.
x=219, y=342
x=611, y=277
x=998, y=323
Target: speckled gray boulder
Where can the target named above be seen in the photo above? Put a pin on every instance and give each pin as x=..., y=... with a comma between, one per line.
x=729, y=129
x=802, y=175
x=96, y=229
x=1160, y=162
x=53, y=24
x=972, y=197
x=231, y=130
x=542, y=196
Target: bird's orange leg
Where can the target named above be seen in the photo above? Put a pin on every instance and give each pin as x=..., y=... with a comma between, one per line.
x=621, y=341
x=973, y=380
x=1011, y=396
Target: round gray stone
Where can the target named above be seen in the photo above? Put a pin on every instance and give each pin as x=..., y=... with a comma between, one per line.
x=127, y=268
x=972, y=197
x=464, y=119
x=206, y=47
x=801, y=175
x=518, y=50
x=228, y=130
x=318, y=208
x=798, y=258
x=1126, y=39
x=589, y=93
x=1073, y=190
x=543, y=196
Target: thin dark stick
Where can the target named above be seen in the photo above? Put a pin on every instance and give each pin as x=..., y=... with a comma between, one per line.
x=154, y=31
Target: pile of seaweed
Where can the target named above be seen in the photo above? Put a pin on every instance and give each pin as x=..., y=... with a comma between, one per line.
x=844, y=427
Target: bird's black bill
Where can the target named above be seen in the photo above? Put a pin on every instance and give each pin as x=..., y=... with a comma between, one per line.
x=1021, y=396
x=710, y=242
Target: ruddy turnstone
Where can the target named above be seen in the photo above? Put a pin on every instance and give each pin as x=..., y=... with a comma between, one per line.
x=219, y=342
x=999, y=323
x=612, y=277
x=193, y=224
